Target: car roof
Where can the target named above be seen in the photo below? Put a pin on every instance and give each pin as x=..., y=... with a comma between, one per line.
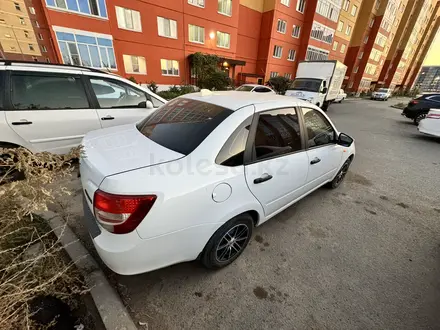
x=253, y=85
x=234, y=100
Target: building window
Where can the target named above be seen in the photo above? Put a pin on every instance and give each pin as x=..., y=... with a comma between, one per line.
x=273, y=74
x=296, y=31
x=31, y=47
x=316, y=54
x=335, y=45
x=361, y=54
x=17, y=6
x=88, y=7
x=285, y=2
x=47, y=60
x=36, y=24
x=380, y=40
x=348, y=30
x=375, y=54
x=169, y=67
x=196, y=34
x=2, y=21
x=134, y=64
x=40, y=36
x=370, y=69
x=167, y=27
x=128, y=19
x=43, y=49
x=350, y=85
x=342, y=48
x=291, y=56
x=300, y=5
x=7, y=35
x=32, y=10
x=354, y=10
x=365, y=39
x=277, y=51
x=223, y=39
x=26, y=34
x=328, y=9
x=281, y=26
x=346, y=5
x=356, y=69
x=225, y=7
x=371, y=22
x=198, y=3
x=22, y=21
x=381, y=62
x=340, y=26
x=288, y=76
x=322, y=32
x=86, y=49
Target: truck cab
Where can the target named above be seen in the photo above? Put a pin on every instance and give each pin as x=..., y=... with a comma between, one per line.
x=313, y=90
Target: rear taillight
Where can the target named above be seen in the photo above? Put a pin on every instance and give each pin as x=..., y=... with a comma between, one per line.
x=121, y=214
x=414, y=102
x=433, y=116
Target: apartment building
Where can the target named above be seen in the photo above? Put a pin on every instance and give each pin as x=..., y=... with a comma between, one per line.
x=428, y=79
x=376, y=28
x=422, y=50
x=345, y=29
x=423, y=15
x=24, y=33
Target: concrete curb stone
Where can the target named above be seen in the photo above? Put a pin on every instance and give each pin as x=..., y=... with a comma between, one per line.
x=113, y=313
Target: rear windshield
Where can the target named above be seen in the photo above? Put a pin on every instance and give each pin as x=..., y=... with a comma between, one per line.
x=308, y=85
x=245, y=88
x=182, y=124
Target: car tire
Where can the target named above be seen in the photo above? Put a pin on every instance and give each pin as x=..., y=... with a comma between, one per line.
x=228, y=242
x=419, y=117
x=339, y=178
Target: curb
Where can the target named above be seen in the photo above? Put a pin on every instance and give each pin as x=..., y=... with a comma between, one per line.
x=113, y=313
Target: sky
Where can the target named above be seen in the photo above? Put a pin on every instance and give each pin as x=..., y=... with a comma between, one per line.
x=433, y=56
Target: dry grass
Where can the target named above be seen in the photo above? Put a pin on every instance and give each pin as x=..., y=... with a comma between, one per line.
x=24, y=272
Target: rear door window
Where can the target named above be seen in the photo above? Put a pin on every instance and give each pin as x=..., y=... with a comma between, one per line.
x=182, y=124
x=45, y=92
x=116, y=94
x=262, y=90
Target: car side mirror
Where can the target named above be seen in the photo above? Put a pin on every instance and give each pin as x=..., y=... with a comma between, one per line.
x=146, y=104
x=345, y=140
x=324, y=90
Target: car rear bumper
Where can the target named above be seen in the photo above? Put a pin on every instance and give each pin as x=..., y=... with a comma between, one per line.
x=129, y=254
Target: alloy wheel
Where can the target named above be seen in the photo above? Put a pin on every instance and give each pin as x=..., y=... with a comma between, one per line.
x=342, y=173
x=232, y=243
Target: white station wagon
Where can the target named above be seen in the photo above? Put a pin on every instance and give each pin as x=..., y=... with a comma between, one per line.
x=194, y=178
x=50, y=107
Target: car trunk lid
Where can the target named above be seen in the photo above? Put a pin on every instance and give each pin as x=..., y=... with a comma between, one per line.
x=118, y=149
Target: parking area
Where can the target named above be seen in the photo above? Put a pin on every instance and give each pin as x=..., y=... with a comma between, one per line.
x=364, y=256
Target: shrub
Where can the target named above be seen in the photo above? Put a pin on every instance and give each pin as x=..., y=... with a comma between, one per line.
x=152, y=86
x=133, y=79
x=25, y=275
x=279, y=84
x=175, y=91
x=207, y=72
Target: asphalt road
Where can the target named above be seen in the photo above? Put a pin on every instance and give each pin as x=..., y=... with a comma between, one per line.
x=364, y=256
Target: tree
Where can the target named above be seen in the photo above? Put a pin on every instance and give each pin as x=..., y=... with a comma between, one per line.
x=207, y=72
x=279, y=84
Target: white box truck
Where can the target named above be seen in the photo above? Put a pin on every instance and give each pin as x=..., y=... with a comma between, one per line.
x=318, y=82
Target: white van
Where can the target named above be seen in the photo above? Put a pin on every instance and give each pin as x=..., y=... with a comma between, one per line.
x=50, y=107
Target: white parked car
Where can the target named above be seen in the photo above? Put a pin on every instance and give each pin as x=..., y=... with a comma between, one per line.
x=51, y=107
x=194, y=178
x=431, y=124
x=254, y=88
x=341, y=96
x=381, y=94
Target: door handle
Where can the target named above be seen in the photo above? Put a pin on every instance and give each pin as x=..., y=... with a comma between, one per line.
x=22, y=122
x=315, y=160
x=108, y=117
x=263, y=178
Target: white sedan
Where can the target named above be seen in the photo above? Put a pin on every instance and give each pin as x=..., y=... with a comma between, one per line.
x=193, y=179
x=254, y=88
x=431, y=124
x=341, y=96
